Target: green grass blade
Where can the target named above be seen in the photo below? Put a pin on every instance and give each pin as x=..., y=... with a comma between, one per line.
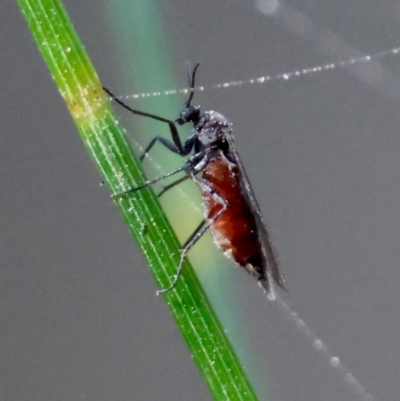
x=107, y=145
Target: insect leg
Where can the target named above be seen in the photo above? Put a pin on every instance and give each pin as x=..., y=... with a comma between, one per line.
x=201, y=229
x=167, y=187
x=169, y=145
x=179, y=148
x=187, y=168
x=150, y=182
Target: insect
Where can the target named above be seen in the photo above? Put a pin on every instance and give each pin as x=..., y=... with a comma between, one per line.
x=231, y=211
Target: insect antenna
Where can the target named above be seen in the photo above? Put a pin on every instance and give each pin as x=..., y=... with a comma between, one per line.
x=191, y=84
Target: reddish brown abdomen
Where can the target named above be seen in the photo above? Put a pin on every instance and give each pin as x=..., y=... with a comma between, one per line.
x=235, y=231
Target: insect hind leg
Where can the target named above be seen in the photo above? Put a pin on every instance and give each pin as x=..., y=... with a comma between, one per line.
x=197, y=234
x=200, y=231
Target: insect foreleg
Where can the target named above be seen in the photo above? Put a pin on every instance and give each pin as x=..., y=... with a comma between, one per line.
x=168, y=144
x=174, y=132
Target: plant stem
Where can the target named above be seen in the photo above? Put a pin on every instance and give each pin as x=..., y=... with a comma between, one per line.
x=112, y=154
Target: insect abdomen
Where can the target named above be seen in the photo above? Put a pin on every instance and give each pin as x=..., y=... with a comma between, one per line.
x=235, y=230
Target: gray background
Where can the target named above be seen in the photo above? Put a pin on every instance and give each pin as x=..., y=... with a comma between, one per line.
x=79, y=319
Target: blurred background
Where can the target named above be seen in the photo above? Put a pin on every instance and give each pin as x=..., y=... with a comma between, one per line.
x=79, y=315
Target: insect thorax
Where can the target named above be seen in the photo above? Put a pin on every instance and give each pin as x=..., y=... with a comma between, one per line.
x=212, y=128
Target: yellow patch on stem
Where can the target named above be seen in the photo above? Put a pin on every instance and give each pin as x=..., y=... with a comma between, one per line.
x=87, y=103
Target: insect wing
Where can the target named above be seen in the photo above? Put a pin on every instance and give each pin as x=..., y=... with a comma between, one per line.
x=271, y=261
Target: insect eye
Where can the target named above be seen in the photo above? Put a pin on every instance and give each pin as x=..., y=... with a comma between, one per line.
x=190, y=114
